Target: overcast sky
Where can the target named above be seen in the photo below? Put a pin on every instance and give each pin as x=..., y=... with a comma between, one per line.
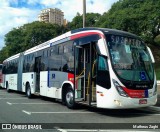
x=14, y=13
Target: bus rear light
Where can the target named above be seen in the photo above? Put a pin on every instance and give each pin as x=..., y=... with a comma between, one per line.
x=119, y=88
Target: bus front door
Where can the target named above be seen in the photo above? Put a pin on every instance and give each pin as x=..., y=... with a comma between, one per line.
x=85, y=71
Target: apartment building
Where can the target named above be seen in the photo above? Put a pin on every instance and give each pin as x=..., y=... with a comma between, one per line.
x=52, y=15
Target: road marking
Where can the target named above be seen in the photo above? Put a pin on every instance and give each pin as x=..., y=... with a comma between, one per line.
x=9, y=103
x=91, y=130
x=13, y=98
x=76, y=130
x=26, y=112
x=4, y=94
x=27, y=103
x=78, y=112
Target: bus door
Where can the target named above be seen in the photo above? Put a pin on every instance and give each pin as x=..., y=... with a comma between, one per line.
x=19, y=72
x=85, y=71
x=37, y=70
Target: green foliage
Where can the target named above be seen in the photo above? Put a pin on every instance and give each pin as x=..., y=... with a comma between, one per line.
x=27, y=36
x=157, y=39
x=3, y=54
x=158, y=73
x=140, y=17
x=91, y=19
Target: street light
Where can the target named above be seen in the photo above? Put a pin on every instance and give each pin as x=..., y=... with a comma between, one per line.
x=84, y=13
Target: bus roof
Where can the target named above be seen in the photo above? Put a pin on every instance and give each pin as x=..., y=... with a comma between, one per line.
x=12, y=57
x=66, y=36
x=105, y=31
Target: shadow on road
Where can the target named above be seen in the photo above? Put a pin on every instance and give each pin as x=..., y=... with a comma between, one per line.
x=119, y=113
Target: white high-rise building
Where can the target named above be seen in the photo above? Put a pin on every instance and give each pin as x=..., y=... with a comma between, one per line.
x=52, y=16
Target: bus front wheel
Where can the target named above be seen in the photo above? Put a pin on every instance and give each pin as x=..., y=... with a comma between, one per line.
x=69, y=99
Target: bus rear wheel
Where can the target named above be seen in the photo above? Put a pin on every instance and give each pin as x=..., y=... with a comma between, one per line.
x=69, y=99
x=28, y=91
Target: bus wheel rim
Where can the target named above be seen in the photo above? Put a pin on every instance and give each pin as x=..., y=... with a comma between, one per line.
x=69, y=98
x=28, y=92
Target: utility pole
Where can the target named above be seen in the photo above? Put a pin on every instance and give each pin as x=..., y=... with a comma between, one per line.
x=84, y=13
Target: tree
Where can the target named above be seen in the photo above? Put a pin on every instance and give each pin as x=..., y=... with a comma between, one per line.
x=140, y=17
x=29, y=35
x=91, y=19
x=14, y=40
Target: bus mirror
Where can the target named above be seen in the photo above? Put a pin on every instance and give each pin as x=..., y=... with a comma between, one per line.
x=102, y=47
x=150, y=52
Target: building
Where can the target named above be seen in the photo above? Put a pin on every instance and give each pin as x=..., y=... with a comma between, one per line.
x=52, y=16
x=65, y=22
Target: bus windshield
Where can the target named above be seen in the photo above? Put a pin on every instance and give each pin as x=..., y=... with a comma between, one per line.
x=130, y=58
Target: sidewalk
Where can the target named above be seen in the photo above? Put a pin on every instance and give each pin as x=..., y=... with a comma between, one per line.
x=158, y=82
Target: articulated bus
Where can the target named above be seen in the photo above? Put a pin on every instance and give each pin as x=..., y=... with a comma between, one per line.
x=1, y=76
x=100, y=67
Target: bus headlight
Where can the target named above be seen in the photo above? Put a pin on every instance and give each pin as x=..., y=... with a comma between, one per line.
x=119, y=88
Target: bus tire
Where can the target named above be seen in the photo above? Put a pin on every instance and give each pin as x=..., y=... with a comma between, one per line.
x=69, y=99
x=8, y=90
x=28, y=91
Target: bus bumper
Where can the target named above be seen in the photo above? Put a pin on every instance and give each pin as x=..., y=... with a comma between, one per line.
x=127, y=102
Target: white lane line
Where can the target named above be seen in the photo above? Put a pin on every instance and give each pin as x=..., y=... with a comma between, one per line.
x=28, y=103
x=28, y=113
x=78, y=130
x=9, y=103
x=78, y=112
x=13, y=98
x=5, y=94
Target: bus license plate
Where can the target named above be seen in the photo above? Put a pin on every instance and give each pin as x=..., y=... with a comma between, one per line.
x=143, y=101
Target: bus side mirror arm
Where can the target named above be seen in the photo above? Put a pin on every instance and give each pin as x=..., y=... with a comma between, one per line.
x=150, y=52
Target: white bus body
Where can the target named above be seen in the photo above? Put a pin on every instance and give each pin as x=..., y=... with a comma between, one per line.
x=87, y=66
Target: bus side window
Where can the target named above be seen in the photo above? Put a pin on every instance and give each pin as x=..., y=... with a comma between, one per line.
x=4, y=69
x=103, y=76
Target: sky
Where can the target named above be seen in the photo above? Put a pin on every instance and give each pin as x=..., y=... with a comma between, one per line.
x=15, y=13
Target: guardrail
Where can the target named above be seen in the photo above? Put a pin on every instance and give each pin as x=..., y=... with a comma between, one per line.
x=158, y=82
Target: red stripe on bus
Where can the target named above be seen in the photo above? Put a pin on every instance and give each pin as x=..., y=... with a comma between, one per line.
x=85, y=34
x=135, y=93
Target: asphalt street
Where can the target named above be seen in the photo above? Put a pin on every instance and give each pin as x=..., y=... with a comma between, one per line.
x=16, y=108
